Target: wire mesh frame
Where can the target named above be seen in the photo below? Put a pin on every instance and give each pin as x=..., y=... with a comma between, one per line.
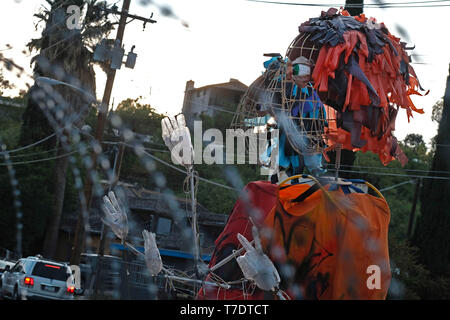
x=256, y=103
x=301, y=46
x=306, y=133
x=299, y=111
x=301, y=43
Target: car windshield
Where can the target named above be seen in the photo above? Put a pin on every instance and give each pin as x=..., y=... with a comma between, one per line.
x=50, y=271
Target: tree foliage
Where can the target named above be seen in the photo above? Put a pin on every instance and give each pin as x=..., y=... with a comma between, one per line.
x=64, y=54
x=4, y=83
x=432, y=235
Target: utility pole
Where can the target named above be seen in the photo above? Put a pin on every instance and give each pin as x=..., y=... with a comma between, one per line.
x=117, y=167
x=354, y=7
x=413, y=209
x=103, y=237
x=101, y=121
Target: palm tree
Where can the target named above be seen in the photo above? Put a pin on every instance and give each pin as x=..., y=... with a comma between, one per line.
x=64, y=54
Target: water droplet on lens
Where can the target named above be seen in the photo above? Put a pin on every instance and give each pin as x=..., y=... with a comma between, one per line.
x=116, y=121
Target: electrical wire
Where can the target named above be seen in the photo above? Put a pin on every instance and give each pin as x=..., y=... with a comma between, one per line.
x=56, y=24
x=342, y=170
x=33, y=153
x=149, y=149
x=396, y=185
x=57, y=42
x=384, y=168
x=208, y=106
x=391, y=5
x=408, y=170
x=41, y=160
x=71, y=38
x=332, y=170
x=353, y=166
x=220, y=109
x=183, y=171
x=392, y=174
x=28, y=146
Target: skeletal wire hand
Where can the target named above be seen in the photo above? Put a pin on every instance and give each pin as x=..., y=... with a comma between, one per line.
x=115, y=215
x=152, y=256
x=174, y=128
x=256, y=265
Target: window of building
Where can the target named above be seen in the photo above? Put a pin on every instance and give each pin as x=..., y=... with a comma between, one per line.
x=164, y=226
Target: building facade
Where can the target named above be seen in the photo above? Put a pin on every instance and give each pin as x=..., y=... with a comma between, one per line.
x=212, y=99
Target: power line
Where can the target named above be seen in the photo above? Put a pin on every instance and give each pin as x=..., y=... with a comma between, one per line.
x=58, y=42
x=208, y=106
x=384, y=168
x=33, y=153
x=418, y=4
x=150, y=149
x=352, y=171
x=58, y=23
x=40, y=160
x=28, y=146
x=47, y=31
x=402, y=3
x=396, y=185
x=220, y=109
x=183, y=171
x=352, y=166
x=392, y=174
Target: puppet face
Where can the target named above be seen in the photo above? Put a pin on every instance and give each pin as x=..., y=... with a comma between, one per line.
x=301, y=71
x=302, y=77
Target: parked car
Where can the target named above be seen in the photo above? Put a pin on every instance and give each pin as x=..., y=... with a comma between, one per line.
x=37, y=278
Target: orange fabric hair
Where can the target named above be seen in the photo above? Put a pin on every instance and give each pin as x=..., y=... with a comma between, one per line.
x=384, y=74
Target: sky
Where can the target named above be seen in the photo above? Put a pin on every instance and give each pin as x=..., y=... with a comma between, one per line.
x=227, y=39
